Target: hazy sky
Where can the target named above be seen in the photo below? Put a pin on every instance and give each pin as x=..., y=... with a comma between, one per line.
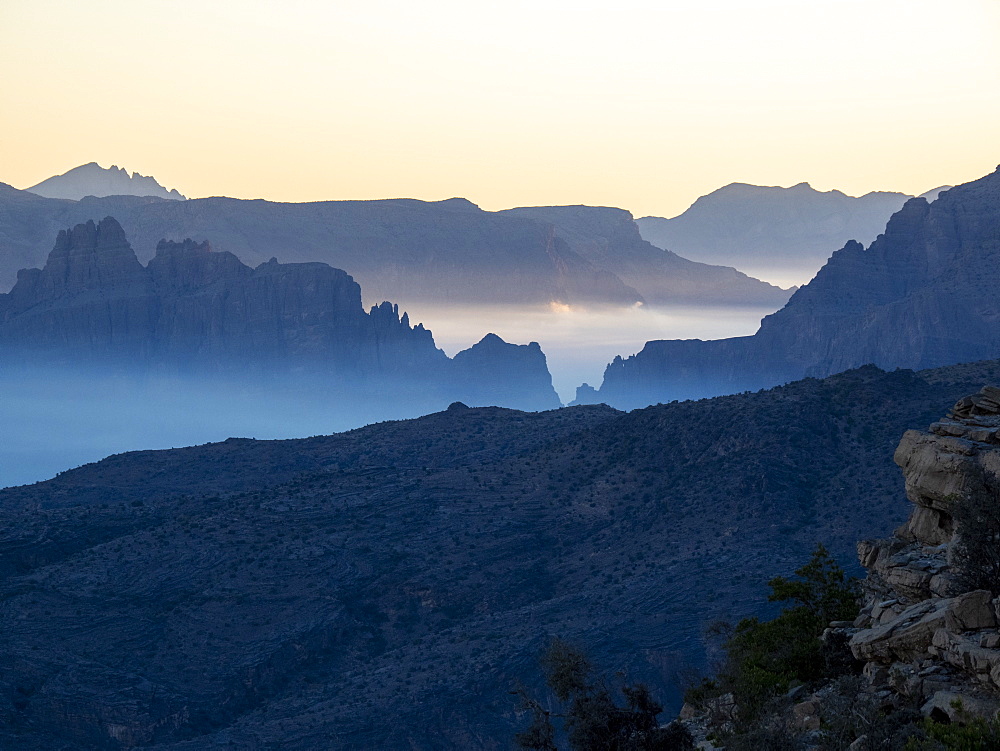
x=643, y=105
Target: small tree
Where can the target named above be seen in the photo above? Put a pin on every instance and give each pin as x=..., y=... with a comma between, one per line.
x=822, y=591
x=764, y=657
x=592, y=719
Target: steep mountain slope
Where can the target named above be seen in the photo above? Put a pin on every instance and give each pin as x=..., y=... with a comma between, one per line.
x=771, y=232
x=609, y=239
x=920, y=296
x=446, y=253
x=384, y=588
x=93, y=180
x=194, y=311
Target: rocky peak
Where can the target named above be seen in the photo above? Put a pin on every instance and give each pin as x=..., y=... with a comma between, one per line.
x=495, y=371
x=88, y=238
x=92, y=179
x=186, y=246
x=88, y=257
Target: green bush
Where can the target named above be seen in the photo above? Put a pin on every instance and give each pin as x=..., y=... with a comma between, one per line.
x=763, y=658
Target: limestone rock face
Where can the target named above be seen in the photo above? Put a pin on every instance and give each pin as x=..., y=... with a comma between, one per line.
x=193, y=310
x=905, y=637
x=918, y=619
x=920, y=296
x=92, y=295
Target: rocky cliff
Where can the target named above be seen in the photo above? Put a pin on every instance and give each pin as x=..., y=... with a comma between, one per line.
x=191, y=310
x=929, y=626
x=920, y=296
x=926, y=643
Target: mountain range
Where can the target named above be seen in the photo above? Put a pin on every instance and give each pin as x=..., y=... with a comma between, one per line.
x=921, y=295
x=446, y=252
x=387, y=587
x=93, y=180
x=783, y=234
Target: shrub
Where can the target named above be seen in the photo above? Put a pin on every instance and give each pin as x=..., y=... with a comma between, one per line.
x=592, y=719
x=763, y=658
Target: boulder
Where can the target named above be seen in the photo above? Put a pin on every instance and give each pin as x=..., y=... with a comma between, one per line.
x=937, y=469
x=905, y=637
x=910, y=634
x=950, y=706
x=971, y=611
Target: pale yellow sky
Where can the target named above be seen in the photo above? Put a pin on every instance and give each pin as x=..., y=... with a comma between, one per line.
x=643, y=105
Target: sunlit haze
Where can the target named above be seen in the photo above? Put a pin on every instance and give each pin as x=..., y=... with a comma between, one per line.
x=640, y=105
x=578, y=343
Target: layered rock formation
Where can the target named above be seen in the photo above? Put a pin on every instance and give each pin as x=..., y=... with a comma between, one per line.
x=194, y=311
x=931, y=620
x=922, y=295
x=93, y=180
x=771, y=232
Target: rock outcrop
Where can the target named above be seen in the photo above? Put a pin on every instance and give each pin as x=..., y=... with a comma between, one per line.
x=919, y=610
x=191, y=310
x=927, y=630
x=920, y=296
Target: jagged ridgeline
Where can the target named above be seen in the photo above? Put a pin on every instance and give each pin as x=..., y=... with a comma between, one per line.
x=922, y=295
x=386, y=587
x=194, y=312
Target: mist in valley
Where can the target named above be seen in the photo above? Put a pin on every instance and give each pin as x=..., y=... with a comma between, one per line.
x=58, y=419
x=579, y=341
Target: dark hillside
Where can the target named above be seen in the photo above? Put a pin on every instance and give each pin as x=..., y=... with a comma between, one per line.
x=383, y=588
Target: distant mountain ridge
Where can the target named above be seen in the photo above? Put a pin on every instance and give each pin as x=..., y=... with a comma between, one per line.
x=94, y=180
x=409, y=251
x=610, y=239
x=192, y=311
x=773, y=232
x=921, y=295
